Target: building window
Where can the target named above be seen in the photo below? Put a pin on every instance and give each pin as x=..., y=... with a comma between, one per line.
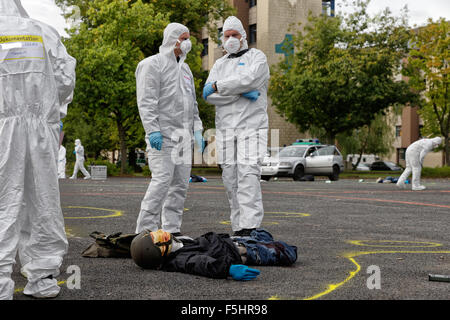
x=252, y=3
x=205, y=43
x=401, y=154
x=252, y=29
x=328, y=7
x=398, y=131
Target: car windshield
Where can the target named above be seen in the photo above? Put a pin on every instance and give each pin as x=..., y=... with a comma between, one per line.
x=292, y=152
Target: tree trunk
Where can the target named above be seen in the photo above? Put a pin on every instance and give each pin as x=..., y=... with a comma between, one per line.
x=123, y=146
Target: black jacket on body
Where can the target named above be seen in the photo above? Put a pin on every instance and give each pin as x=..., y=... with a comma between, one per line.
x=210, y=255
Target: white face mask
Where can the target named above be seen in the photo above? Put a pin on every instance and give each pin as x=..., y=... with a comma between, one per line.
x=185, y=46
x=232, y=45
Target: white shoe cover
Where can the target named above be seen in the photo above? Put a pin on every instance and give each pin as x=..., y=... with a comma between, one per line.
x=419, y=188
x=43, y=288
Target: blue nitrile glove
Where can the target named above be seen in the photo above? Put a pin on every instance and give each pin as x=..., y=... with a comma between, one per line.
x=199, y=140
x=241, y=272
x=60, y=126
x=208, y=90
x=252, y=95
x=74, y=152
x=156, y=140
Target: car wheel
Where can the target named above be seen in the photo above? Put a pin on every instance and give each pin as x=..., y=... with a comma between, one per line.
x=266, y=178
x=299, y=172
x=335, y=175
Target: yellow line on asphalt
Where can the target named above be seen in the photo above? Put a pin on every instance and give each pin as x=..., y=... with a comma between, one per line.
x=351, y=255
x=117, y=213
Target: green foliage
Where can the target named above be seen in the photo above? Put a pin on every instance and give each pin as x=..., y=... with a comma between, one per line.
x=428, y=71
x=376, y=138
x=146, y=171
x=342, y=72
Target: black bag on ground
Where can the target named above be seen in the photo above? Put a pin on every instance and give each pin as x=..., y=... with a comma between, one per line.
x=116, y=245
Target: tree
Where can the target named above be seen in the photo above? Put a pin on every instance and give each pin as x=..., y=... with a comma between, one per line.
x=376, y=138
x=428, y=72
x=341, y=73
x=107, y=54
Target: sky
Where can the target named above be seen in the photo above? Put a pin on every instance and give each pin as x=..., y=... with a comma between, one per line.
x=419, y=10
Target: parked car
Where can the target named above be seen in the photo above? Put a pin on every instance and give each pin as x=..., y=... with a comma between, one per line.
x=385, y=166
x=363, y=167
x=270, y=164
x=310, y=159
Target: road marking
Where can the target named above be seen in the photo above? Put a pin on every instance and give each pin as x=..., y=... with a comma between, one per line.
x=116, y=213
x=364, y=199
x=352, y=255
x=404, y=244
x=281, y=214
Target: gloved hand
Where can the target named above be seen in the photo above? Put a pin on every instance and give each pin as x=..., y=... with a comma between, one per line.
x=74, y=152
x=241, y=272
x=60, y=126
x=208, y=90
x=252, y=95
x=199, y=140
x=156, y=140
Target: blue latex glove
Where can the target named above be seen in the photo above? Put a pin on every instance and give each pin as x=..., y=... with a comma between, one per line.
x=156, y=140
x=241, y=272
x=60, y=126
x=199, y=140
x=74, y=152
x=208, y=90
x=252, y=95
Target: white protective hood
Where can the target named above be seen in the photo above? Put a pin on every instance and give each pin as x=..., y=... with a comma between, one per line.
x=171, y=34
x=233, y=23
x=12, y=8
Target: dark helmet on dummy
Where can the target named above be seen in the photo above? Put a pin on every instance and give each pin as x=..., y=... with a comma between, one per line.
x=148, y=249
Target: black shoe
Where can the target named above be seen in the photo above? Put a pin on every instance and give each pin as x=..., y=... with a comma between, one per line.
x=243, y=233
x=177, y=234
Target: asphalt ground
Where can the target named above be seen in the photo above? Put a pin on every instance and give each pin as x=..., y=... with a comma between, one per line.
x=343, y=230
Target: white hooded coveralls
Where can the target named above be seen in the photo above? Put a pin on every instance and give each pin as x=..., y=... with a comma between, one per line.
x=414, y=156
x=37, y=78
x=241, y=128
x=167, y=103
x=79, y=161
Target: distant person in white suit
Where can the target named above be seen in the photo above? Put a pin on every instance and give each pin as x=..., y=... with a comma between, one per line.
x=415, y=154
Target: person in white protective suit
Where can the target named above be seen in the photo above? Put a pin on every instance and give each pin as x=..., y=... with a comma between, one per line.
x=237, y=85
x=414, y=156
x=37, y=78
x=62, y=162
x=169, y=113
x=79, y=161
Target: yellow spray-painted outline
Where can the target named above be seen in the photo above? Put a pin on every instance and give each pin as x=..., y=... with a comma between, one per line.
x=264, y=223
x=286, y=214
x=117, y=213
x=351, y=255
x=361, y=243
